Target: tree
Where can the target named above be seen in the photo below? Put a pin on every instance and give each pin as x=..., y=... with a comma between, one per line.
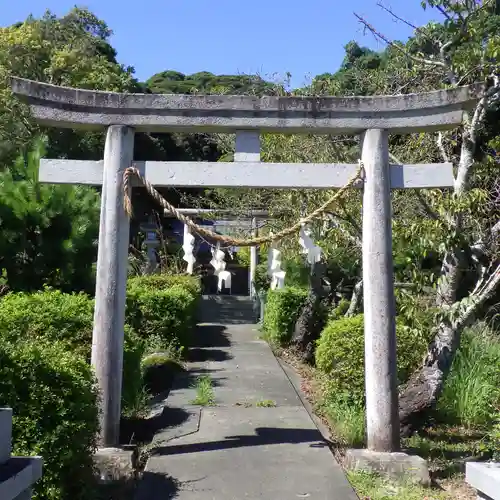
x=465, y=48
x=74, y=51
x=48, y=234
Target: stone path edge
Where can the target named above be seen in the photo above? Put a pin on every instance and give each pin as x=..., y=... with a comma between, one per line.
x=295, y=379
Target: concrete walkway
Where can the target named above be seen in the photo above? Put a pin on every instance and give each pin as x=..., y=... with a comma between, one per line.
x=239, y=449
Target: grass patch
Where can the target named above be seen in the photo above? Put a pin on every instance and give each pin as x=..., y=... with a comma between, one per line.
x=137, y=406
x=447, y=448
x=347, y=419
x=204, y=392
x=471, y=396
x=371, y=486
x=266, y=403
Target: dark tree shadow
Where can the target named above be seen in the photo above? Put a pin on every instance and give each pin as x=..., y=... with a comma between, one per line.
x=154, y=486
x=199, y=354
x=263, y=436
x=210, y=335
x=137, y=430
x=189, y=379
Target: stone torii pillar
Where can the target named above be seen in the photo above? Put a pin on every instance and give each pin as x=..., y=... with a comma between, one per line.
x=373, y=117
x=379, y=303
x=111, y=281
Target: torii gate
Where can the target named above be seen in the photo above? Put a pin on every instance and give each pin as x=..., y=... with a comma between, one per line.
x=371, y=117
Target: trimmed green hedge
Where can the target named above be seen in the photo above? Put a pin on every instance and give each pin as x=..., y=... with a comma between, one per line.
x=168, y=313
x=57, y=316
x=45, y=375
x=163, y=282
x=340, y=353
x=281, y=313
x=54, y=400
x=48, y=314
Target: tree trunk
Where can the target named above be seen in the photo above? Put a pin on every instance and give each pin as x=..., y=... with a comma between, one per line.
x=425, y=386
x=312, y=318
x=357, y=297
x=423, y=389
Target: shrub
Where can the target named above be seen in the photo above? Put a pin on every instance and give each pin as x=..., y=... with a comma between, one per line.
x=50, y=314
x=340, y=353
x=281, y=313
x=68, y=318
x=262, y=281
x=54, y=399
x=471, y=395
x=162, y=282
x=132, y=383
x=169, y=313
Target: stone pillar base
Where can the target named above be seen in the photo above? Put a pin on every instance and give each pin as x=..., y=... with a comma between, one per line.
x=394, y=465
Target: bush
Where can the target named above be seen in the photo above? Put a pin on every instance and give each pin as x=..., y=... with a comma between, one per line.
x=282, y=311
x=132, y=383
x=50, y=314
x=471, y=395
x=169, y=313
x=340, y=353
x=68, y=318
x=54, y=399
x=162, y=282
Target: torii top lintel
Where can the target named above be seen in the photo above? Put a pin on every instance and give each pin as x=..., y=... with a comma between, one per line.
x=76, y=108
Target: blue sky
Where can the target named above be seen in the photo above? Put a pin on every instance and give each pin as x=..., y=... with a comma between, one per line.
x=222, y=36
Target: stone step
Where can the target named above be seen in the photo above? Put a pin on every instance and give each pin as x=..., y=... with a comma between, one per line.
x=17, y=474
x=230, y=309
x=5, y=434
x=227, y=299
x=17, y=477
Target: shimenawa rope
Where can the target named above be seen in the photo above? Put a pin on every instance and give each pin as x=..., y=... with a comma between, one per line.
x=228, y=240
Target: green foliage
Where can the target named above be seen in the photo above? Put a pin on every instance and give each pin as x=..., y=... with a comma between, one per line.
x=167, y=312
x=265, y=403
x=471, y=395
x=54, y=399
x=157, y=359
x=376, y=487
x=165, y=281
x=297, y=272
x=48, y=314
x=345, y=414
x=54, y=316
x=262, y=280
x=48, y=232
x=282, y=311
x=72, y=50
x=340, y=353
x=173, y=82
x=132, y=383
x=340, y=310
x=158, y=370
x=204, y=391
